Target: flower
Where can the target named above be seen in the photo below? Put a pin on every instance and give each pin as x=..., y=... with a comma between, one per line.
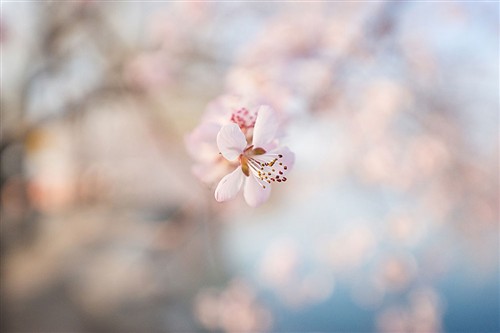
x=259, y=159
x=201, y=143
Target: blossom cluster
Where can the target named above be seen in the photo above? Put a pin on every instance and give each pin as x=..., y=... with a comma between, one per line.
x=242, y=142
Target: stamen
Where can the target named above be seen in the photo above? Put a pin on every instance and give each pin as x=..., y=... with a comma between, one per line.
x=264, y=166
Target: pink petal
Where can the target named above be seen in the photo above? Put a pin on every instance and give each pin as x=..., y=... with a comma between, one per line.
x=201, y=142
x=266, y=127
x=231, y=141
x=253, y=192
x=212, y=171
x=219, y=110
x=229, y=186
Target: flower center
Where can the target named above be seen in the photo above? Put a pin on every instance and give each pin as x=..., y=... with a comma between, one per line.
x=265, y=167
x=244, y=118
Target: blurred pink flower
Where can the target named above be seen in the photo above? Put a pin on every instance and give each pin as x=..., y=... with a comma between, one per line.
x=151, y=71
x=259, y=159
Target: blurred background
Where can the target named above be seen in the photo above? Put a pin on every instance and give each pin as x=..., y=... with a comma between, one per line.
x=389, y=220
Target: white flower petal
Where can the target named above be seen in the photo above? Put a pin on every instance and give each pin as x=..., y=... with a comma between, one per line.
x=231, y=141
x=254, y=193
x=266, y=127
x=229, y=186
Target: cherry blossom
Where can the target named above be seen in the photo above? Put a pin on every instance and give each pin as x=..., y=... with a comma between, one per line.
x=201, y=143
x=259, y=159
